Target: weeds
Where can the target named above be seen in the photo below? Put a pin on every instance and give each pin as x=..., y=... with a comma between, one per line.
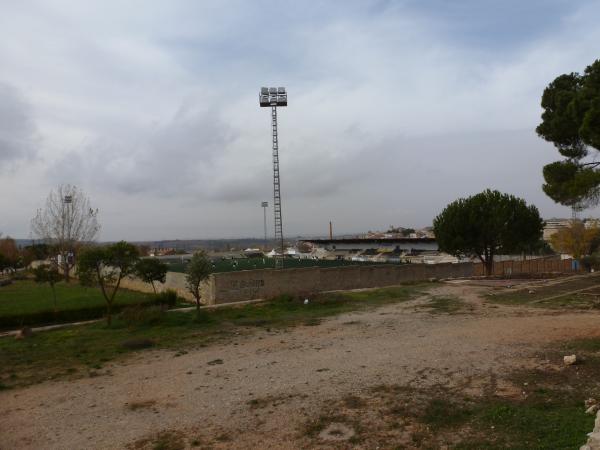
x=45, y=355
x=445, y=305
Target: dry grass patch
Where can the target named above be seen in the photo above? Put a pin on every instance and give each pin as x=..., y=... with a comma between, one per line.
x=144, y=404
x=270, y=400
x=540, y=408
x=163, y=440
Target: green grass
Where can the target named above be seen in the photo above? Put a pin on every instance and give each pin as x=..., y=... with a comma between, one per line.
x=555, y=426
x=25, y=302
x=227, y=265
x=549, y=420
x=445, y=305
x=552, y=414
x=80, y=350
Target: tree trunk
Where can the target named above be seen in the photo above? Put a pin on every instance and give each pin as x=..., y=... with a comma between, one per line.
x=153, y=287
x=54, y=297
x=65, y=267
x=109, y=314
x=489, y=266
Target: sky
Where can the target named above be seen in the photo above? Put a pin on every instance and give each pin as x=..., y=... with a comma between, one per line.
x=396, y=108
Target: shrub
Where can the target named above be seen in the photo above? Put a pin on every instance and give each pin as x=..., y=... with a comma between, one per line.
x=168, y=297
x=138, y=343
x=20, y=275
x=47, y=317
x=140, y=315
x=591, y=262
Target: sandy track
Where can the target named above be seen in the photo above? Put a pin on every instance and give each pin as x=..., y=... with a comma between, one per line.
x=301, y=368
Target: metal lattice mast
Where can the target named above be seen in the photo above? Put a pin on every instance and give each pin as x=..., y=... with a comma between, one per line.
x=274, y=97
x=277, y=192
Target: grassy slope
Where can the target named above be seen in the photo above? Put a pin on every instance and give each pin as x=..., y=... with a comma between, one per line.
x=78, y=350
x=25, y=303
x=26, y=297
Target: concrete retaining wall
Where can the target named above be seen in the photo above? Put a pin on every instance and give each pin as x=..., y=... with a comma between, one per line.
x=174, y=281
x=267, y=283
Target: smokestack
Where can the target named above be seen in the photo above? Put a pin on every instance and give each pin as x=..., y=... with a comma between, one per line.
x=330, y=230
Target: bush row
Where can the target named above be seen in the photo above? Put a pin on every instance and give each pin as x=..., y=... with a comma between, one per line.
x=49, y=317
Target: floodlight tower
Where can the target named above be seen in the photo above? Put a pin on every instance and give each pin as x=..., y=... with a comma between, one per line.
x=265, y=205
x=273, y=97
x=68, y=222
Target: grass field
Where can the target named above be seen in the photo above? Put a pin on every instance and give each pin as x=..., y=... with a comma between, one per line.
x=229, y=265
x=25, y=302
x=80, y=351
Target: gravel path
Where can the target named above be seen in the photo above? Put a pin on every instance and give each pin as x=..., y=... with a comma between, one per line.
x=209, y=391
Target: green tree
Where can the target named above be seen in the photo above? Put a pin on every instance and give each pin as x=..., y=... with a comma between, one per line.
x=106, y=267
x=407, y=231
x=150, y=270
x=11, y=253
x=4, y=263
x=46, y=273
x=198, y=270
x=487, y=224
x=571, y=121
x=36, y=252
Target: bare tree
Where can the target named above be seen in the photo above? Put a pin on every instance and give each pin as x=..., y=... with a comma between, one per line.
x=66, y=222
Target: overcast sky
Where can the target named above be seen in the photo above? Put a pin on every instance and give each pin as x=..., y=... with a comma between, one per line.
x=395, y=108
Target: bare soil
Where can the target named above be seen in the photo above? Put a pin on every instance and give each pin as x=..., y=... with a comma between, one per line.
x=264, y=390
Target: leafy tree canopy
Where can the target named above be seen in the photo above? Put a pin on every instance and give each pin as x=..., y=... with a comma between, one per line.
x=106, y=267
x=150, y=270
x=11, y=253
x=198, y=269
x=571, y=121
x=576, y=240
x=488, y=224
x=47, y=273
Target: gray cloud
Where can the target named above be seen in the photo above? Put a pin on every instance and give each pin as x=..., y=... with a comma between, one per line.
x=17, y=128
x=166, y=159
x=396, y=108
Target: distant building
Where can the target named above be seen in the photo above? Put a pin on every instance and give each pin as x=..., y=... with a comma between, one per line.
x=253, y=253
x=591, y=222
x=391, y=250
x=553, y=225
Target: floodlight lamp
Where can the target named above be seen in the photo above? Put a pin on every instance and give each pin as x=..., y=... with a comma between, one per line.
x=265, y=204
x=272, y=96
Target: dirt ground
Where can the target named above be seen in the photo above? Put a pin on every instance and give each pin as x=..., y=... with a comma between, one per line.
x=259, y=391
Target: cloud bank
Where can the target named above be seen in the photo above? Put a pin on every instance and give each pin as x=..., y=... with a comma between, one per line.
x=396, y=108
